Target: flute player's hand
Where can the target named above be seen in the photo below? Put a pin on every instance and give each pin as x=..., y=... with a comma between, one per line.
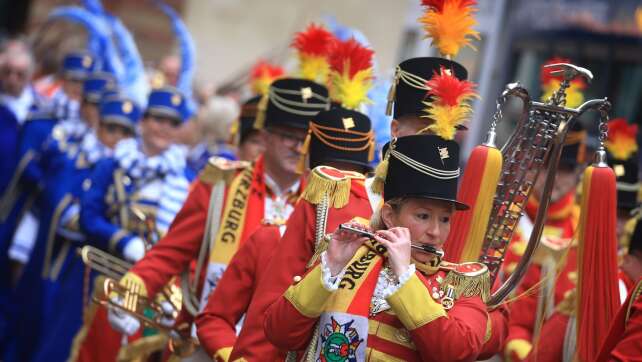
x=342, y=246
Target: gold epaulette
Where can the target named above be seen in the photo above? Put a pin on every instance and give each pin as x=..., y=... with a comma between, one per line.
x=330, y=182
x=219, y=168
x=468, y=279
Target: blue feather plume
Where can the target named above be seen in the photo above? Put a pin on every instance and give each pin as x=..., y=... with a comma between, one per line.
x=134, y=79
x=99, y=34
x=188, y=53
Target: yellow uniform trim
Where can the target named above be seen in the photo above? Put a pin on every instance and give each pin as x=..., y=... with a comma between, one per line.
x=51, y=234
x=520, y=347
x=489, y=328
x=142, y=348
x=223, y=354
x=389, y=333
x=414, y=306
x=373, y=355
x=309, y=296
x=134, y=279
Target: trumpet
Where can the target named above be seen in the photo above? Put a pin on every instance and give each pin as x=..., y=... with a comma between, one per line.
x=104, y=263
x=127, y=298
x=429, y=249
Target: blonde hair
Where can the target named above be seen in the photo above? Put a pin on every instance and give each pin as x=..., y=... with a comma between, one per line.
x=376, y=220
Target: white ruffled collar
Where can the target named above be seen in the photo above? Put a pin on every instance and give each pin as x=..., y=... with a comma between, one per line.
x=93, y=149
x=130, y=157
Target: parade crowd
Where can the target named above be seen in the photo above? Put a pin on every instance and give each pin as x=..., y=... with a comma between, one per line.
x=144, y=220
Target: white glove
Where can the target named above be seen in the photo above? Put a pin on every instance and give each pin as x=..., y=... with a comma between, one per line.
x=168, y=318
x=134, y=250
x=121, y=321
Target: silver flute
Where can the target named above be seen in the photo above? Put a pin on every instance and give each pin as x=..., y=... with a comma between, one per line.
x=421, y=247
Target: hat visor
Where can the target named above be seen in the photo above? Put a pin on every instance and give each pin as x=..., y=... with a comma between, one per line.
x=121, y=121
x=164, y=112
x=459, y=206
x=77, y=75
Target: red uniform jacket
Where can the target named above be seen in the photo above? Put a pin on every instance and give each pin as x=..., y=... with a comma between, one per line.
x=624, y=341
x=295, y=251
x=415, y=328
x=561, y=223
x=550, y=346
x=174, y=253
x=216, y=325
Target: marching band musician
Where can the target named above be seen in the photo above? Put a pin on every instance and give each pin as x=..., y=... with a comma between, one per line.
x=625, y=333
x=251, y=143
x=24, y=184
x=145, y=176
x=63, y=170
x=265, y=190
x=63, y=142
x=60, y=273
x=380, y=298
x=340, y=146
x=555, y=263
x=557, y=340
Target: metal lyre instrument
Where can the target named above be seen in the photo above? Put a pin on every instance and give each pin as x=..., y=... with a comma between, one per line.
x=535, y=146
x=421, y=247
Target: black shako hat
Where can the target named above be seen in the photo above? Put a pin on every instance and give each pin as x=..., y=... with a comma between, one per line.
x=292, y=102
x=422, y=166
x=628, y=186
x=246, y=121
x=574, y=149
x=340, y=135
x=409, y=90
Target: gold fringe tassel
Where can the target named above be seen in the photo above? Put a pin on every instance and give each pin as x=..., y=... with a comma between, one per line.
x=381, y=172
x=468, y=286
x=259, y=121
x=338, y=190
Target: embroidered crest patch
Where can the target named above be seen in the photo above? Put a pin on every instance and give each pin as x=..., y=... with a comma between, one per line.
x=339, y=342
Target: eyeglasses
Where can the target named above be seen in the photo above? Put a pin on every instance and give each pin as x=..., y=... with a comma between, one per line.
x=289, y=139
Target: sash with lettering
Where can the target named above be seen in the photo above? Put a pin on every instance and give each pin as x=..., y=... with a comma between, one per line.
x=343, y=327
x=242, y=214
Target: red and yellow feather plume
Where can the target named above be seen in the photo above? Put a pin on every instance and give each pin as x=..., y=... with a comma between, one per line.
x=551, y=83
x=262, y=75
x=449, y=106
x=450, y=24
x=621, y=141
x=350, y=73
x=313, y=46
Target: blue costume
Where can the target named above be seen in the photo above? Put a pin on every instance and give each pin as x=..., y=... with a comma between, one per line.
x=66, y=163
x=26, y=179
x=118, y=185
